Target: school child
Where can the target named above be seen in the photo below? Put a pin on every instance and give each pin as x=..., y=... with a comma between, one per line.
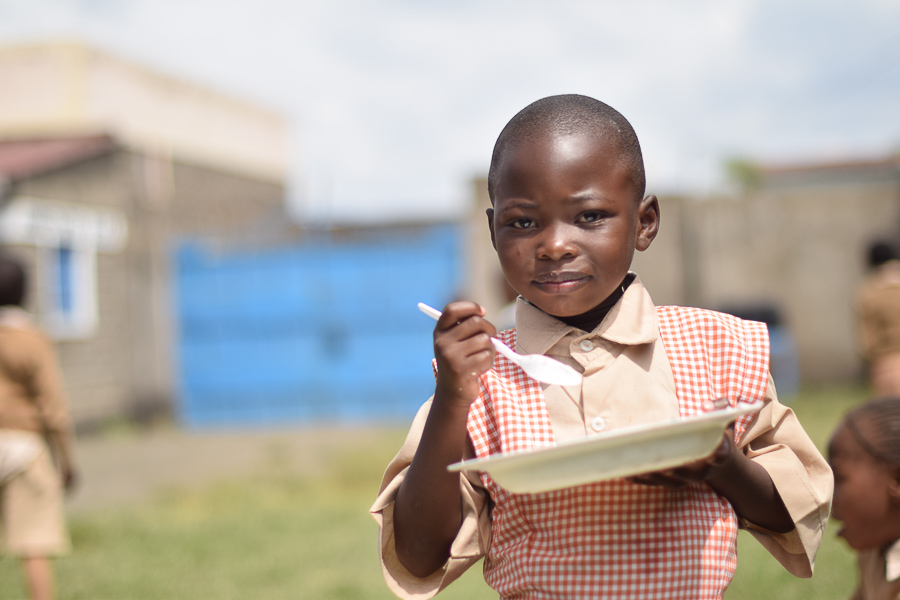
x=36, y=440
x=878, y=316
x=865, y=455
x=568, y=211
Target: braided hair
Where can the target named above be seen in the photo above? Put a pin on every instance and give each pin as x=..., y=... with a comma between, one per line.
x=875, y=425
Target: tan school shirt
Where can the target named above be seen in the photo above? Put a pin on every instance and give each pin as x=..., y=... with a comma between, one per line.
x=32, y=396
x=879, y=574
x=627, y=381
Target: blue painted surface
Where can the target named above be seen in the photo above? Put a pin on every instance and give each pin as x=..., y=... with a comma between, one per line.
x=320, y=331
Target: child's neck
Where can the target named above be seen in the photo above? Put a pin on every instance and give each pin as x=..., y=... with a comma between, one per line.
x=588, y=321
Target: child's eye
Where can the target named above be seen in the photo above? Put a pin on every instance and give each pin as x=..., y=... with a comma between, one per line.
x=523, y=223
x=590, y=217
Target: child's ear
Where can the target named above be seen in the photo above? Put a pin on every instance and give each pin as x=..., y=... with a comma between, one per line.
x=648, y=223
x=894, y=485
x=490, y=217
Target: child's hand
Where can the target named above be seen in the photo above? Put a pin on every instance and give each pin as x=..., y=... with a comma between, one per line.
x=463, y=350
x=697, y=471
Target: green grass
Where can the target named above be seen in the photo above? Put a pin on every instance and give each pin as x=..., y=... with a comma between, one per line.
x=270, y=537
x=274, y=537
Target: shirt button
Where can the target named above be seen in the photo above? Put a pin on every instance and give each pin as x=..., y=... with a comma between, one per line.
x=598, y=423
x=587, y=345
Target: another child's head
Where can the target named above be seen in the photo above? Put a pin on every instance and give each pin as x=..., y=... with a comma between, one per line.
x=12, y=282
x=567, y=189
x=864, y=453
x=880, y=252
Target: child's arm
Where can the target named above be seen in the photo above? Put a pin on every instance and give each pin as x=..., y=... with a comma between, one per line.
x=427, y=510
x=744, y=483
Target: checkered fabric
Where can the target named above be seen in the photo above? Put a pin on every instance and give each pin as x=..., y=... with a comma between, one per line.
x=615, y=539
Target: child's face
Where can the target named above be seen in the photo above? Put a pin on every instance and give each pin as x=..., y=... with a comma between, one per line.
x=565, y=221
x=865, y=494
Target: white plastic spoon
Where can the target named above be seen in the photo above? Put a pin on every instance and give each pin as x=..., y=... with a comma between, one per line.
x=540, y=367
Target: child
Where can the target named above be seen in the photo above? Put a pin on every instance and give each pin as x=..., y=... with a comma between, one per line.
x=568, y=210
x=865, y=455
x=878, y=311
x=34, y=430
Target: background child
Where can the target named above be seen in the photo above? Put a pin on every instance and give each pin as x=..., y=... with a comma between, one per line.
x=567, y=188
x=34, y=430
x=878, y=309
x=865, y=455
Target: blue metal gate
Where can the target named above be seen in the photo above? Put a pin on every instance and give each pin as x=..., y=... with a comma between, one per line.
x=318, y=331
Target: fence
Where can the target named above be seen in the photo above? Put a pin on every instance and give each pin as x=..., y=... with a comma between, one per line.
x=318, y=331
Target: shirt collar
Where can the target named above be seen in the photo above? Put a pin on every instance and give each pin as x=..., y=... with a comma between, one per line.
x=892, y=562
x=631, y=321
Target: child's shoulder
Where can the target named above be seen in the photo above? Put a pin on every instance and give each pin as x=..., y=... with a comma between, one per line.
x=689, y=318
x=693, y=313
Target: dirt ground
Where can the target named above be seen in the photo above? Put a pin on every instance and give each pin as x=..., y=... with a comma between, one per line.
x=127, y=467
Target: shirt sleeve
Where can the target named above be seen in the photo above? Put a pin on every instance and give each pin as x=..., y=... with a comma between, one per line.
x=46, y=390
x=470, y=544
x=776, y=440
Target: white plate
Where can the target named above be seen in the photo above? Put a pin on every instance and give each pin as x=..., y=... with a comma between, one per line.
x=620, y=453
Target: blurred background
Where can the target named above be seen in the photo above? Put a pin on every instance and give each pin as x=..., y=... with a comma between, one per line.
x=230, y=209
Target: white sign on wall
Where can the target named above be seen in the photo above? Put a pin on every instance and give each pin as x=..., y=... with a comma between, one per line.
x=69, y=236
x=51, y=223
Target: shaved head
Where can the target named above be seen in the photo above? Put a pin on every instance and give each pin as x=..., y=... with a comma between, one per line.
x=572, y=114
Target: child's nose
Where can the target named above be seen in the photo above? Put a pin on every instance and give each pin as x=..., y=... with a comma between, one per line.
x=557, y=242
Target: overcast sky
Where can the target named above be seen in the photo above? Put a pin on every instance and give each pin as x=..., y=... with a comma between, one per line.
x=394, y=105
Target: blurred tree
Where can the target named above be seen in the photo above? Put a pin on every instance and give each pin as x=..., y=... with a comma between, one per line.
x=744, y=173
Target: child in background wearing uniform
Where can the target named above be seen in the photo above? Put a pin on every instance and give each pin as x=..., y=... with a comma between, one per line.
x=865, y=455
x=568, y=211
x=35, y=433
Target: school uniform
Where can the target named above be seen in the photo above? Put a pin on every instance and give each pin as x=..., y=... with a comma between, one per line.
x=32, y=404
x=615, y=538
x=879, y=574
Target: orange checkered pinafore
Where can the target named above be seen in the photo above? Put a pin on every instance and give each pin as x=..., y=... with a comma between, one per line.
x=615, y=539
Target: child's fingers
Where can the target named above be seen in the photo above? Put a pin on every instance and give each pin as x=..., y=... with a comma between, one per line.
x=674, y=478
x=661, y=478
x=717, y=404
x=457, y=312
x=468, y=328
x=462, y=341
x=463, y=323
x=472, y=354
x=476, y=345
x=691, y=472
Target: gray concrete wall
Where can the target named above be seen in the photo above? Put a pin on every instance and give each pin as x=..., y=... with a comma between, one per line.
x=804, y=250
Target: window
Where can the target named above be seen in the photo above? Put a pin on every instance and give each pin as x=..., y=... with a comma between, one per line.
x=69, y=304
x=67, y=237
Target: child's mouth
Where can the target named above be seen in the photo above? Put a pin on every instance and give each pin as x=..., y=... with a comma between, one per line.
x=560, y=282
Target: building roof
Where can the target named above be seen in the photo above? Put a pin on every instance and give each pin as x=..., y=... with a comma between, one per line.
x=20, y=158
x=69, y=88
x=886, y=169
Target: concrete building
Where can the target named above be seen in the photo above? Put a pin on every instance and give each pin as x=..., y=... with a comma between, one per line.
x=106, y=166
